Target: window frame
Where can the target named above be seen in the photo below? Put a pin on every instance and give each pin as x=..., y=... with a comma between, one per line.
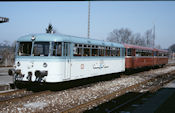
x=87, y=47
x=77, y=46
x=52, y=49
x=18, y=48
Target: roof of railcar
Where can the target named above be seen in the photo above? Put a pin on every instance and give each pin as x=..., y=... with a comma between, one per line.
x=161, y=50
x=66, y=38
x=143, y=48
x=137, y=47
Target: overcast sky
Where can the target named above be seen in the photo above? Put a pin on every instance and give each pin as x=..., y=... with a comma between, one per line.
x=71, y=17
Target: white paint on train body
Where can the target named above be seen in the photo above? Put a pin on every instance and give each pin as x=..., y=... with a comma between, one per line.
x=73, y=69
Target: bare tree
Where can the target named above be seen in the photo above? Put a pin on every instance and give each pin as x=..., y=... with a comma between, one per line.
x=149, y=38
x=6, y=56
x=120, y=35
x=7, y=52
x=127, y=36
x=137, y=39
x=132, y=40
x=5, y=43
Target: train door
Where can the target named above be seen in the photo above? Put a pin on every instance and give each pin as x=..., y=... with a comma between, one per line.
x=67, y=55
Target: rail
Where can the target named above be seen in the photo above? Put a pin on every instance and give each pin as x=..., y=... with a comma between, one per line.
x=15, y=96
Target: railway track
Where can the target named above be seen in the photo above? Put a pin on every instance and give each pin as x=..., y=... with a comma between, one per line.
x=121, y=103
x=62, y=101
x=150, y=85
x=18, y=95
x=13, y=94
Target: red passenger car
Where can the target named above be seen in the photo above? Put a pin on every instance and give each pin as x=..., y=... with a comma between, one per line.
x=138, y=57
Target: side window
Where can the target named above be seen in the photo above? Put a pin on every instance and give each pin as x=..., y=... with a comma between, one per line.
x=165, y=54
x=160, y=54
x=101, y=50
x=144, y=53
x=86, y=50
x=129, y=52
x=57, y=49
x=118, y=52
x=155, y=53
x=107, y=51
x=94, y=50
x=113, y=51
x=138, y=52
x=150, y=53
x=77, y=50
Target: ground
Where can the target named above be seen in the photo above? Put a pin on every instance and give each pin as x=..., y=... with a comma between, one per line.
x=5, y=79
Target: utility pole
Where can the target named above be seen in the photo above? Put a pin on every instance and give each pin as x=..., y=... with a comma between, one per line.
x=154, y=36
x=89, y=20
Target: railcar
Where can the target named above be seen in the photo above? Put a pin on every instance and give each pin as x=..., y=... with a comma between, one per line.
x=138, y=57
x=53, y=58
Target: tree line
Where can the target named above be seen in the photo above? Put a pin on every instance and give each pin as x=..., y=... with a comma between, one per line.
x=7, y=53
x=125, y=35
x=122, y=35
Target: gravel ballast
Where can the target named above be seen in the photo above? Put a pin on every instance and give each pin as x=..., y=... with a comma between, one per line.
x=58, y=101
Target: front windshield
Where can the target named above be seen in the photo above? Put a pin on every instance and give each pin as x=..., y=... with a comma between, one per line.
x=24, y=49
x=41, y=49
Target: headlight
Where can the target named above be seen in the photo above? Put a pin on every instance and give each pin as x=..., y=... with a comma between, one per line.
x=18, y=64
x=45, y=65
